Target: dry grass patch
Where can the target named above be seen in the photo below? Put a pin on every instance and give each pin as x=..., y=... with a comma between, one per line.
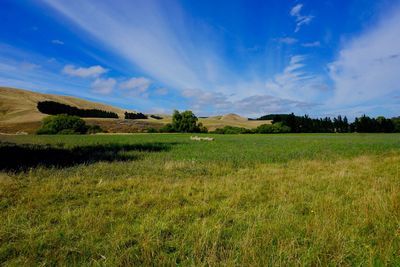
x=311, y=212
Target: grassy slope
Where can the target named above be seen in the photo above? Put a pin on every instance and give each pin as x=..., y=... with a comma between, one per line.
x=18, y=112
x=17, y=106
x=316, y=199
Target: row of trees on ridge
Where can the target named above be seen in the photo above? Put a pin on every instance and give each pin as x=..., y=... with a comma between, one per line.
x=134, y=116
x=55, y=108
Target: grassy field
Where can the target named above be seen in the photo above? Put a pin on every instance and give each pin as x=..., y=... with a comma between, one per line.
x=162, y=199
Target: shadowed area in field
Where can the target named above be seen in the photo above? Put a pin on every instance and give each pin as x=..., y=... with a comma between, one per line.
x=20, y=157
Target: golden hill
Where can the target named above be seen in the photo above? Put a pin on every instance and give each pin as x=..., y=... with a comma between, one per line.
x=215, y=122
x=17, y=106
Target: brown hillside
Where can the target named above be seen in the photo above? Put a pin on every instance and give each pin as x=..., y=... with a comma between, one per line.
x=18, y=105
x=233, y=117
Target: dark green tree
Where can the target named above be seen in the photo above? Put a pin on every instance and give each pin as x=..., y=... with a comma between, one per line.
x=186, y=122
x=345, y=125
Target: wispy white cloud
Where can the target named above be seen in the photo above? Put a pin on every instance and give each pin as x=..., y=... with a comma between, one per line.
x=93, y=71
x=57, y=42
x=295, y=11
x=367, y=67
x=137, y=84
x=295, y=83
x=300, y=19
x=103, y=86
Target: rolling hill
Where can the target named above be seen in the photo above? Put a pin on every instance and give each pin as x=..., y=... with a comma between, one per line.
x=18, y=113
x=18, y=105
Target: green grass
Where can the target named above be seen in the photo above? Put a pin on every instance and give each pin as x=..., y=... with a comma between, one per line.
x=162, y=199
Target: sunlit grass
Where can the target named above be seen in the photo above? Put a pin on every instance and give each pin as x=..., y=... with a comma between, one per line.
x=241, y=200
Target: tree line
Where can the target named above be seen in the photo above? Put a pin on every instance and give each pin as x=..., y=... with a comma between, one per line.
x=339, y=124
x=134, y=116
x=55, y=108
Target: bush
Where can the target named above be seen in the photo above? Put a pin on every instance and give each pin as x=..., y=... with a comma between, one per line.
x=92, y=129
x=263, y=129
x=272, y=128
x=167, y=128
x=66, y=124
x=55, y=108
x=232, y=130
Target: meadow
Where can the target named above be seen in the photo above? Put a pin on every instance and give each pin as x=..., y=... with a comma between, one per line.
x=163, y=200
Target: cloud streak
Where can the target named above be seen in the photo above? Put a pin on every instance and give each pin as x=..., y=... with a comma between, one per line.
x=93, y=71
x=103, y=86
x=57, y=42
x=300, y=19
x=139, y=84
x=295, y=83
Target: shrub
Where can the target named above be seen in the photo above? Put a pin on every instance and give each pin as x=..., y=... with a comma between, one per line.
x=272, y=128
x=92, y=129
x=167, y=128
x=62, y=124
x=232, y=130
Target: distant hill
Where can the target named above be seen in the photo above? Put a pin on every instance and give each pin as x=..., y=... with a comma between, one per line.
x=18, y=105
x=233, y=117
x=18, y=112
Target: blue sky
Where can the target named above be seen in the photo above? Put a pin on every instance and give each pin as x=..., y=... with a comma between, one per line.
x=321, y=58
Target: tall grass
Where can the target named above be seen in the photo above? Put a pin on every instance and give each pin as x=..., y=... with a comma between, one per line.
x=241, y=200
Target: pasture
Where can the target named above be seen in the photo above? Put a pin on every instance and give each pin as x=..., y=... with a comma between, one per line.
x=162, y=199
